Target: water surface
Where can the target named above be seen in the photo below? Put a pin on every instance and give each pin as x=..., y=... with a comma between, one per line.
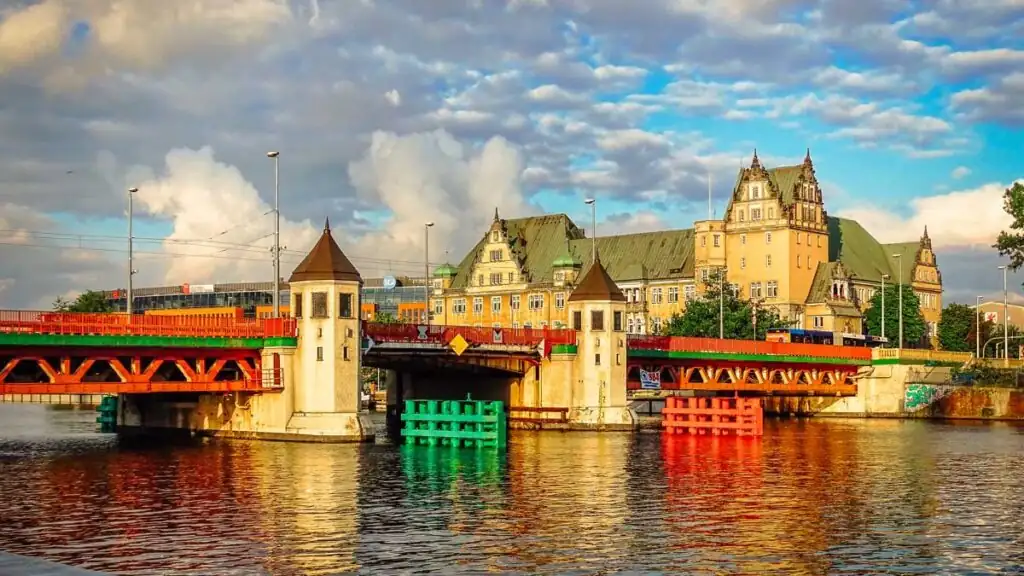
x=811, y=497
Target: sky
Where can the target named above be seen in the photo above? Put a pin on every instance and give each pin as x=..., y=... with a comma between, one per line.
x=391, y=113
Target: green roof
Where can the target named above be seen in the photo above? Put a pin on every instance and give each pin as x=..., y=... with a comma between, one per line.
x=785, y=179
x=864, y=257
x=445, y=270
x=540, y=241
x=566, y=260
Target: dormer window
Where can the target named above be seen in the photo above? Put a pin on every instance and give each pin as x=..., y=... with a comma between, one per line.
x=755, y=192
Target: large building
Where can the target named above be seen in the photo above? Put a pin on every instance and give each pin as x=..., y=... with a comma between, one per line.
x=776, y=244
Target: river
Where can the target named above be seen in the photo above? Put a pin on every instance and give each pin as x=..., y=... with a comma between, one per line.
x=811, y=497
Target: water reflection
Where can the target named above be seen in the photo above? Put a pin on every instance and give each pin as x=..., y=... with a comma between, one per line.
x=811, y=497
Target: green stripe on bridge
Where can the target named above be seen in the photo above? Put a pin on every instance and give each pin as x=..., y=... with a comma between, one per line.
x=788, y=359
x=99, y=341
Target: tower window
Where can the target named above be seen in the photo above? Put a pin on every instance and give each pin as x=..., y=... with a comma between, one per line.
x=597, y=320
x=320, y=305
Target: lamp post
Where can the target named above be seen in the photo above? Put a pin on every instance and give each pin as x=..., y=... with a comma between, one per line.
x=884, y=276
x=593, y=218
x=977, y=328
x=426, y=271
x=1006, y=324
x=899, y=263
x=275, y=156
x=721, y=303
x=131, y=251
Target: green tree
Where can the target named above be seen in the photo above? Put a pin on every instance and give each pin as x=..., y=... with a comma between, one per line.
x=701, y=316
x=88, y=302
x=914, y=327
x=957, y=328
x=1012, y=243
x=384, y=318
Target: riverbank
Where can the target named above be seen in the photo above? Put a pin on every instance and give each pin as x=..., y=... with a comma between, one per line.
x=17, y=565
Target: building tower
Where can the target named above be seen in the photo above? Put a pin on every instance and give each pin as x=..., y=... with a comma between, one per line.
x=597, y=308
x=325, y=291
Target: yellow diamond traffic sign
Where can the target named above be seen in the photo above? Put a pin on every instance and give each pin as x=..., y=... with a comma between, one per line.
x=458, y=344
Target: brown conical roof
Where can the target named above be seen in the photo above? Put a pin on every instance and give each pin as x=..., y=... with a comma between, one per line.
x=597, y=285
x=325, y=261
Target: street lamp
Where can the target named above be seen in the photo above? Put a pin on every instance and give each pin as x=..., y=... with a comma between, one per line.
x=131, y=252
x=884, y=276
x=426, y=271
x=899, y=263
x=977, y=328
x=275, y=156
x=721, y=303
x=1006, y=324
x=593, y=218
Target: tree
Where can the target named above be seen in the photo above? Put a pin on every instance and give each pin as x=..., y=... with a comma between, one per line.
x=914, y=327
x=701, y=316
x=958, y=326
x=1012, y=243
x=384, y=318
x=88, y=302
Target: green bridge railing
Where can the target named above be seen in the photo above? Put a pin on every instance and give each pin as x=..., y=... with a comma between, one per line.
x=460, y=423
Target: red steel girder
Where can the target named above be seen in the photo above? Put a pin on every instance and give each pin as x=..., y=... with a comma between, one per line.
x=730, y=376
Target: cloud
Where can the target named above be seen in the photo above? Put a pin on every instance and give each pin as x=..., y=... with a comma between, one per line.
x=960, y=219
x=960, y=172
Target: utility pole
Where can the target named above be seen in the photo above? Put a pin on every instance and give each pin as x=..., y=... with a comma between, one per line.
x=593, y=218
x=1006, y=324
x=977, y=328
x=131, y=253
x=899, y=262
x=884, y=276
x=275, y=156
x=721, y=303
x=426, y=272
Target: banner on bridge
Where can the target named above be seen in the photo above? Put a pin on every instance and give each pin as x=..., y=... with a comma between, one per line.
x=650, y=380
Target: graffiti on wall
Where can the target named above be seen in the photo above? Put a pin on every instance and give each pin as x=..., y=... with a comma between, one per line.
x=917, y=396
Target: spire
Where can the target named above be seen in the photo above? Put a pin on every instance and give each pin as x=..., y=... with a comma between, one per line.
x=325, y=261
x=756, y=161
x=926, y=242
x=496, y=218
x=807, y=158
x=327, y=224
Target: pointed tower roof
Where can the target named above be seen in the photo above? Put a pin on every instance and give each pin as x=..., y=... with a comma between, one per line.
x=325, y=261
x=926, y=242
x=597, y=285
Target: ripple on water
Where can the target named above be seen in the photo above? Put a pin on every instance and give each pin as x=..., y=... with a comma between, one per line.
x=847, y=497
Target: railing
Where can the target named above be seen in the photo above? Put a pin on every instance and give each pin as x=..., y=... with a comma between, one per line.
x=943, y=356
x=78, y=324
x=715, y=345
x=442, y=334
x=272, y=378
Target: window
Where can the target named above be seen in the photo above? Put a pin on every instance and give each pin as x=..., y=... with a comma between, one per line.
x=459, y=306
x=597, y=359
x=319, y=353
x=743, y=263
x=819, y=321
x=704, y=275
x=438, y=307
x=755, y=290
x=511, y=277
x=656, y=328
x=741, y=215
x=298, y=305
x=495, y=255
x=755, y=192
x=629, y=325
x=673, y=294
x=495, y=236
x=716, y=241
x=755, y=214
x=536, y=302
x=577, y=320
x=496, y=279
x=773, y=289
x=798, y=237
x=513, y=302
x=320, y=305
x=617, y=321
x=480, y=280
x=771, y=213
x=478, y=306
x=495, y=304
x=655, y=295
x=797, y=260
x=703, y=241
x=819, y=241
x=559, y=300
x=344, y=305
x=597, y=319
x=767, y=237
x=743, y=238
x=344, y=353
x=689, y=292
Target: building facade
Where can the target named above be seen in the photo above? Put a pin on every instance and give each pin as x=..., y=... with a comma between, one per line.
x=776, y=245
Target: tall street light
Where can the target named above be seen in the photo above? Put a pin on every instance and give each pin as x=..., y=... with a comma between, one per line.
x=1006, y=324
x=884, y=276
x=131, y=252
x=593, y=218
x=977, y=328
x=899, y=264
x=275, y=156
x=426, y=271
x=721, y=303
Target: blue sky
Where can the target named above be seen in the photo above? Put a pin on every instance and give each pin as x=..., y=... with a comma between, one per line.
x=395, y=112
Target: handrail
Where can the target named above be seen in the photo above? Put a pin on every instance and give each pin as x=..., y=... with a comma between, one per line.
x=758, y=347
x=86, y=324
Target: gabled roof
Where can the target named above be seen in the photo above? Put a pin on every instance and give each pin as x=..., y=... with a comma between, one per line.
x=325, y=261
x=541, y=240
x=864, y=257
x=597, y=285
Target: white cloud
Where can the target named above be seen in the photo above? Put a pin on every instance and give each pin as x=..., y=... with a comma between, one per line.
x=964, y=218
x=960, y=172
